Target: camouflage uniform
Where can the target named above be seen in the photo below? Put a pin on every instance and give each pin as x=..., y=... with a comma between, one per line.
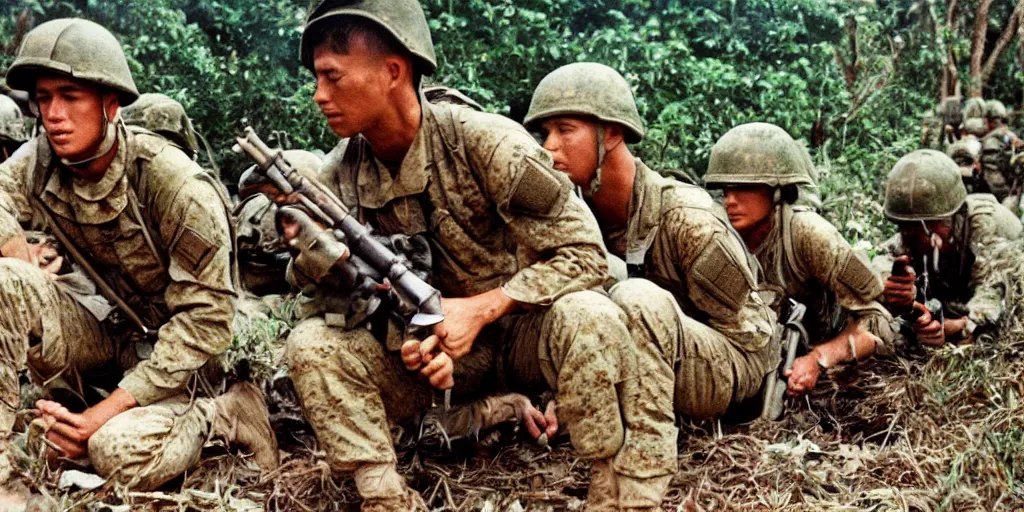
x=12, y=127
x=998, y=148
x=717, y=332
x=921, y=188
x=156, y=229
x=966, y=152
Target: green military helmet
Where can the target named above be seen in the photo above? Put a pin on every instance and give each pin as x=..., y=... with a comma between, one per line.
x=403, y=19
x=974, y=107
x=994, y=109
x=77, y=48
x=924, y=185
x=975, y=126
x=759, y=153
x=163, y=115
x=12, y=123
x=586, y=89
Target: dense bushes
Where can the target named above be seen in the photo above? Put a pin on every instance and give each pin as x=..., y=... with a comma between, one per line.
x=697, y=69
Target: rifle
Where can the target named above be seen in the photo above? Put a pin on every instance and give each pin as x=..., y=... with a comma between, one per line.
x=775, y=388
x=366, y=256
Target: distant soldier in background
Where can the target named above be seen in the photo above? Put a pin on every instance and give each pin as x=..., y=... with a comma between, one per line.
x=998, y=148
x=966, y=152
x=165, y=116
x=12, y=127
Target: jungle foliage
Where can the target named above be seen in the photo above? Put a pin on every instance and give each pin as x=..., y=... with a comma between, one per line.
x=850, y=77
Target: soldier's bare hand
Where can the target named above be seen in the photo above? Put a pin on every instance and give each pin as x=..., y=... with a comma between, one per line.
x=900, y=291
x=929, y=331
x=439, y=371
x=803, y=375
x=462, y=323
x=538, y=423
x=416, y=353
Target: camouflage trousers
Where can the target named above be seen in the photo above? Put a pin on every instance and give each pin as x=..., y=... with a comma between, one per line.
x=710, y=372
x=43, y=328
x=580, y=347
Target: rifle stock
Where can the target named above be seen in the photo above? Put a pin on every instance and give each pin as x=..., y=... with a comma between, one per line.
x=775, y=387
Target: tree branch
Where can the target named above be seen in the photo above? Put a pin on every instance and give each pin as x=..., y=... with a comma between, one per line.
x=1004, y=40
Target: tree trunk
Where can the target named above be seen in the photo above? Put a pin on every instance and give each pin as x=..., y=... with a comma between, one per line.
x=978, y=46
x=1004, y=40
x=950, y=76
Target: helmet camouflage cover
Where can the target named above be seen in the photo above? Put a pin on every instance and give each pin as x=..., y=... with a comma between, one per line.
x=586, y=89
x=77, y=48
x=924, y=185
x=163, y=115
x=975, y=126
x=12, y=123
x=974, y=107
x=994, y=109
x=759, y=153
x=403, y=19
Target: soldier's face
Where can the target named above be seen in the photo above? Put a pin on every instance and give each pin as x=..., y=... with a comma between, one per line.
x=351, y=88
x=919, y=239
x=572, y=143
x=748, y=206
x=73, y=115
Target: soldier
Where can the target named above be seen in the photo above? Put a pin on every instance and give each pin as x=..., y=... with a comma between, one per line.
x=998, y=148
x=944, y=237
x=262, y=255
x=164, y=116
x=12, y=127
x=515, y=256
x=710, y=325
x=803, y=257
x=952, y=115
x=966, y=152
x=151, y=231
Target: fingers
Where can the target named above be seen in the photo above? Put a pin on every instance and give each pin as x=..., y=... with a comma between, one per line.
x=441, y=331
x=439, y=372
x=69, y=432
x=411, y=357
x=71, y=448
x=534, y=421
x=552, y=419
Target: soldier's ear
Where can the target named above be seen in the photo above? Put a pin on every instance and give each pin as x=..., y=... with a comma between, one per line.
x=613, y=136
x=111, y=105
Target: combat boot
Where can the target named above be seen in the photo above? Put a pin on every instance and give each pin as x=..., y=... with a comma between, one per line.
x=642, y=494
x=384, y=490
x=242, y=418
x=603, y=493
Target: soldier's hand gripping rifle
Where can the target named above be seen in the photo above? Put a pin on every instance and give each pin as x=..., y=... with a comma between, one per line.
x=333, y=214
x=775, y=388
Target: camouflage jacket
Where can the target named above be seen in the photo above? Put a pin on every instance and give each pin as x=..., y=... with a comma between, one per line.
x=961, y=284
x=156, y=229
x=486, y=197
x=806, y=258
x=679, y=238
x=997, y=151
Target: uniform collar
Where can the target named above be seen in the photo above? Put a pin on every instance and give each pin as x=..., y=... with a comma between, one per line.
x=91, y=202
x=376, y=185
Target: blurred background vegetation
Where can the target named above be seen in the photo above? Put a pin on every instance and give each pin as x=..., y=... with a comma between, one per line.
x=852, y=78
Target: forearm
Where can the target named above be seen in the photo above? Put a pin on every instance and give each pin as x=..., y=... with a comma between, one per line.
x=852, y=344
x=496, y=304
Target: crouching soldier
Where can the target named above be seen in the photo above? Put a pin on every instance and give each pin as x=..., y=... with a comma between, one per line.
x=802, y=256
x=151, y=231
x=515, y=256
x=938, y=261
x=694, y=301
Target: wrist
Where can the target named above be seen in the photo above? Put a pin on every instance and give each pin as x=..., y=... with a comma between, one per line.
x=823, y=362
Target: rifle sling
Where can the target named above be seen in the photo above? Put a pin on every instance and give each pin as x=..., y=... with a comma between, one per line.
x=101, y=283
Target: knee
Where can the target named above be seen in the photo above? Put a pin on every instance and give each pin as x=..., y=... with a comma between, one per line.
x=15, y=274
x=313, y=345
x=586, y=310
x=641, y=298
x=132, y=449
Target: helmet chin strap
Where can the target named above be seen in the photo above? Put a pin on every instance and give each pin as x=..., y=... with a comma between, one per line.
x=109, y=138
x=595, y=184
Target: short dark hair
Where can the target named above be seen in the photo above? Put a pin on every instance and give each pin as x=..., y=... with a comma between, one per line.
x=337, y=35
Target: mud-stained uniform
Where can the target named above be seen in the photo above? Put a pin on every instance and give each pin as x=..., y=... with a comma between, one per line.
x=960, y=284
x=806, y=258
x=997, y=151
x=156, y=229
x=496, y=214
x=717, y=333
